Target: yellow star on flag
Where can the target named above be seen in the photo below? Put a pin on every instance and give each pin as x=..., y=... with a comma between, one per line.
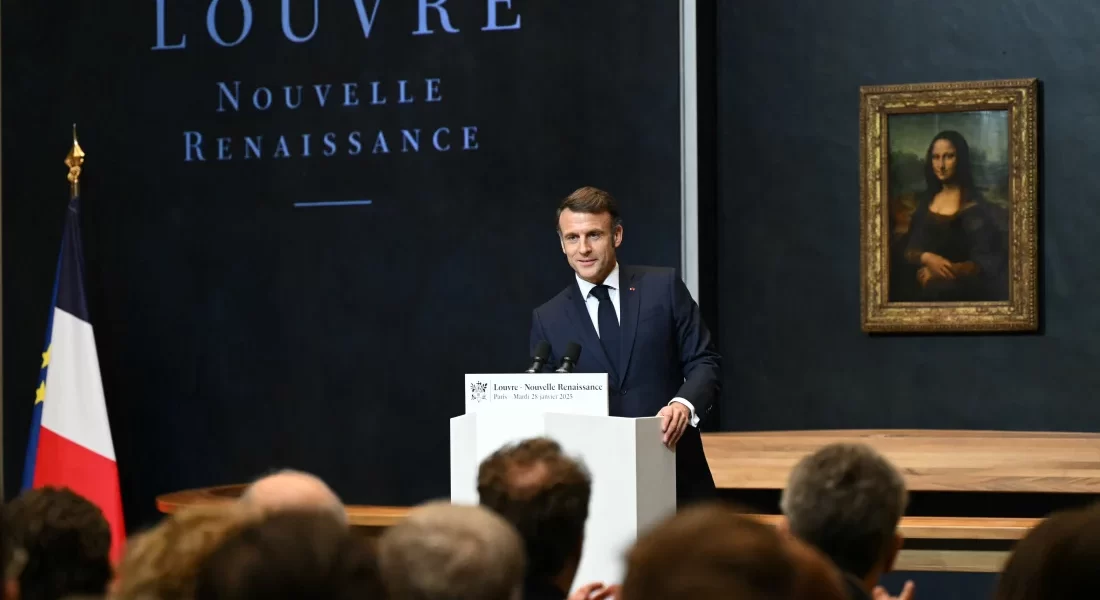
x=46, y=358
x=40, y=393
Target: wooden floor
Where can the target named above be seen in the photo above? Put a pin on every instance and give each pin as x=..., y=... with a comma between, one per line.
x=971, y=461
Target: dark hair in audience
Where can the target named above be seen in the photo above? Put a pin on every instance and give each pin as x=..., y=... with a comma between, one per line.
x=846, y=500
x=544, y=495
x=294, y=554
x=592, y=201
x=67, y=542
x=710, y=552
x=1057, y=559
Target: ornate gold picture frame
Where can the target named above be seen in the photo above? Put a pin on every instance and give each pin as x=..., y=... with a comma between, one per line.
x=948, y=203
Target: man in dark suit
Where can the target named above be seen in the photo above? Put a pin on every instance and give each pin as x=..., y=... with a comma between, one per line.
x=641, y=327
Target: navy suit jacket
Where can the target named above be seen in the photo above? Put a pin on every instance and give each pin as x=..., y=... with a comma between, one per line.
x=666, y=353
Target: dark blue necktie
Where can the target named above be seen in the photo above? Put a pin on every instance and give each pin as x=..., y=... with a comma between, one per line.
x=609, y=326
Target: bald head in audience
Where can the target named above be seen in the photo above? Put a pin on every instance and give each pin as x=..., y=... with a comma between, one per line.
x=711, y=552
x=293, y=490
x=448, y=552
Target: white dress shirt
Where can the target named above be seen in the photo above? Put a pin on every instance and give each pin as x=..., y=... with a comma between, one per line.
x=592, y=303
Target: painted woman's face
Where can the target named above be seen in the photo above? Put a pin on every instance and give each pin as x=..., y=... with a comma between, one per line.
x=944, y=160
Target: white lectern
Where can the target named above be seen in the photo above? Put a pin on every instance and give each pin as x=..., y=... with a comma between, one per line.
x=633, y=474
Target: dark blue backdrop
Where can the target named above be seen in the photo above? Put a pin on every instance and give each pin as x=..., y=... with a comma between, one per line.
x=238, y=333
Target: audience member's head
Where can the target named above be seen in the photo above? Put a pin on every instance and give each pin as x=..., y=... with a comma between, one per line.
x=162, y=562
x=292, y=555
x=65, y=540
x=1057, y=559
x=846, y=500
x=293, y=490
x=444, y=551
x=711, y=552
x=544, y=495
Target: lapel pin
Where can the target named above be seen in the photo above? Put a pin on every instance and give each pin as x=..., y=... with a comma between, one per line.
x=632, y=289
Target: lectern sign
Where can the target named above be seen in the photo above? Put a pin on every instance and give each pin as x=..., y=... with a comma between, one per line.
x=633, y=474
x=577, y=393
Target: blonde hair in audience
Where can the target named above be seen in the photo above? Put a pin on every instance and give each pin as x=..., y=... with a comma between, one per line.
x=162, y=562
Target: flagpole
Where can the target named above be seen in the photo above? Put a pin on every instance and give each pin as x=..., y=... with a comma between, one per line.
x=75, y=161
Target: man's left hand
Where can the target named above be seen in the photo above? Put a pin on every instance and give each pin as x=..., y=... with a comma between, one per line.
x=675, y=419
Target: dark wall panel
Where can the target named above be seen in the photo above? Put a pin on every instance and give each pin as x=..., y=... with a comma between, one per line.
x=789, y=74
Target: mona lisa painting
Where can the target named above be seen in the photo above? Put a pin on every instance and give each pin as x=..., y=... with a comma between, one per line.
x=948, y=197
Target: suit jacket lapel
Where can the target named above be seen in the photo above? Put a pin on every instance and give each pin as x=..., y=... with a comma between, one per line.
x=590, y=342
x=630, y=295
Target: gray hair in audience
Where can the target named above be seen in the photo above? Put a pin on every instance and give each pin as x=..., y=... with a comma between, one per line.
x=450, y=552
x=293, y=490
x=846, y=499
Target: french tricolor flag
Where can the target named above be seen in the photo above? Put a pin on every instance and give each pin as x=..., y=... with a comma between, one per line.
x=70, y=442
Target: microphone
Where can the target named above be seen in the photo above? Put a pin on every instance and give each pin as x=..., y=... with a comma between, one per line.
x=569, y=359
x=542, y=354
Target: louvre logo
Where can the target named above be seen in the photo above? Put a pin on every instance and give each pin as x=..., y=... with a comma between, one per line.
x=478, y=392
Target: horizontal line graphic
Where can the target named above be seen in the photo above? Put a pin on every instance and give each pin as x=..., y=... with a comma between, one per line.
x=333, y=203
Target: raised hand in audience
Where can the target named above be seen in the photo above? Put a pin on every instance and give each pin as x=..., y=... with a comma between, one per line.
x=909, y=592
x=595, y=591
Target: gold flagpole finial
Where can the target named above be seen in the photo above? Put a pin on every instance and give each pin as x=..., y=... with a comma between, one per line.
x=75, y=162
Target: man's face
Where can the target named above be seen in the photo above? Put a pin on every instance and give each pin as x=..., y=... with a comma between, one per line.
x=589, y=243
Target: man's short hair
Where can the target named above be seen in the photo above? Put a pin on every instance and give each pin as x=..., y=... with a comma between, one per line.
x=163, y=562
x=449, y=552
x=1057, y=559
x=846, y=500
x=66, y=541
x=293, y=554
x=710, y=552
x=544, y=495
x=592, y=201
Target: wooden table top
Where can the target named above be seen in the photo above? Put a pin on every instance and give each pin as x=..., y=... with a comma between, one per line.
x=930, y=460
x=358, y=515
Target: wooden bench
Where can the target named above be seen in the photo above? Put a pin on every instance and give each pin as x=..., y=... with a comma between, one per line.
x=372, y=520
x=986, y=543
